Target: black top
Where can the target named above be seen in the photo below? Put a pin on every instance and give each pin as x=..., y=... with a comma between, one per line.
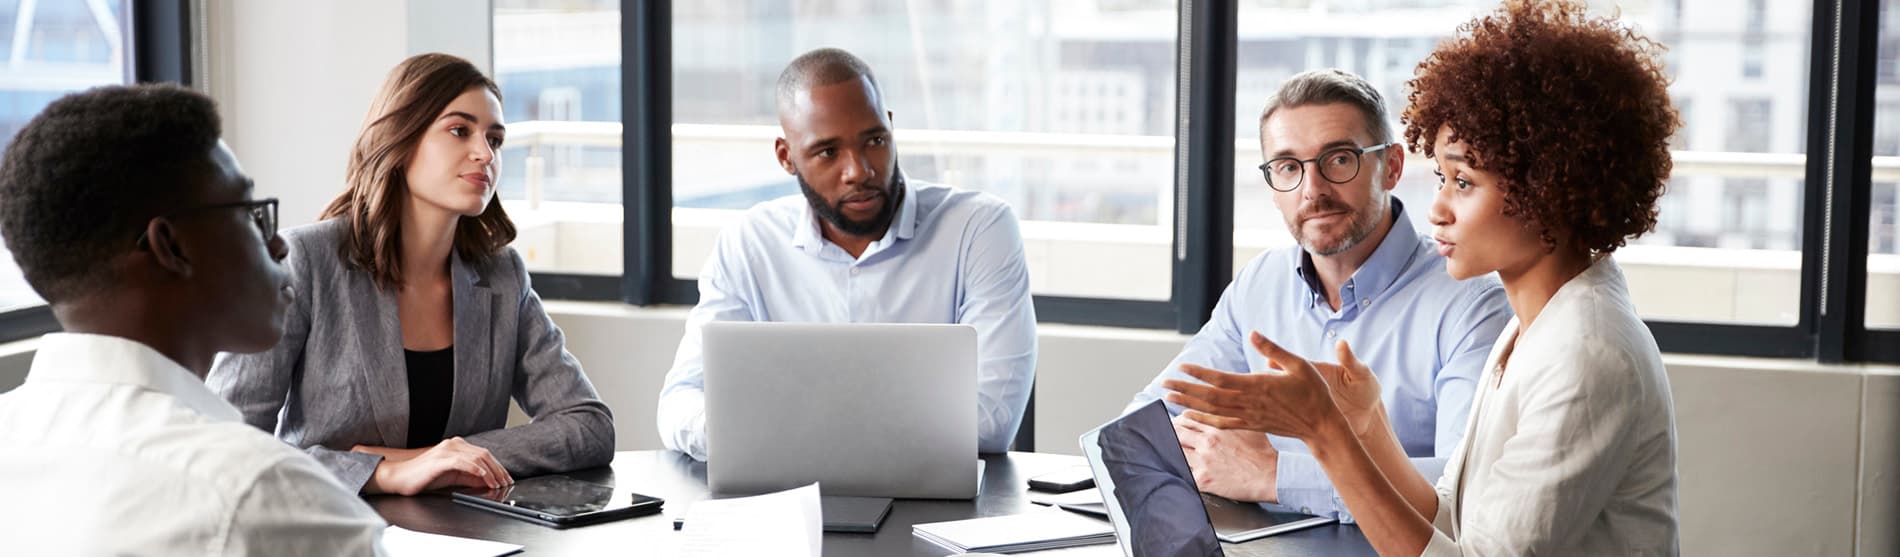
x=431, y=390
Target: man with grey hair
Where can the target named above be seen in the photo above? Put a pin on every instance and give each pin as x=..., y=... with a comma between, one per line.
x=1362, y=275
x=862, y=244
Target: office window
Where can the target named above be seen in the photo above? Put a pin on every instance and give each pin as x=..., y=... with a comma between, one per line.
x=558, y=64
x=1883, y=242
x=1680, y=141
x=50, y=49
x=1727, y=247
x=1062, y=108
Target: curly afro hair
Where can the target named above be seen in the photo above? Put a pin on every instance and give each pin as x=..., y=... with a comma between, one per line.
x=1571, y=111
x=85, y=175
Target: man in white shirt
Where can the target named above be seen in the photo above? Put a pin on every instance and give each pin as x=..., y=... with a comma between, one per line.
x=862, y=245
x=133, y=220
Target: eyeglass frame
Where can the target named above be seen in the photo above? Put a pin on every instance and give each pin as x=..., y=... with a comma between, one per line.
x=267, y=225
x=1358, y=153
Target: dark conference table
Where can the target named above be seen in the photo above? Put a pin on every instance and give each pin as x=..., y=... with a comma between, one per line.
x=681, y=481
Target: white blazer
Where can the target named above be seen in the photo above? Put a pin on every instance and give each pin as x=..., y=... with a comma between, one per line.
x=1571, y=444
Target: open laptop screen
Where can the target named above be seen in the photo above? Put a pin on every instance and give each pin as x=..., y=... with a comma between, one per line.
x=1147, y=487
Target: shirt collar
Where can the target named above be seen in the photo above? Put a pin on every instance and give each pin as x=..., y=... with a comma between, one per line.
x=1378, y=272
x=811, y=240
x=101, y=359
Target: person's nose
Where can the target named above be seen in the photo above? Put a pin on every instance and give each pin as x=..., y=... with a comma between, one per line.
x=857, y=168
x=279, y=249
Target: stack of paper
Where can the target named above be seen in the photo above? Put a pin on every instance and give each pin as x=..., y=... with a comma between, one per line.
x=1033, y=531
x=398, y=542
x=788, y=523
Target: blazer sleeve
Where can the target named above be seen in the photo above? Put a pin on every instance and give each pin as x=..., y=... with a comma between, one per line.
x=571, y=428
x=259, y=384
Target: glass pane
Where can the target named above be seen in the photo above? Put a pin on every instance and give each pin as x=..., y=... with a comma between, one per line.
x=1063, y=108
x=49, y=50
x=1883, y=233
x=558, y=64
x=1727, y=247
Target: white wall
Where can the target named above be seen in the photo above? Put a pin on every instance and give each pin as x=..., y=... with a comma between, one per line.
x=294, y=79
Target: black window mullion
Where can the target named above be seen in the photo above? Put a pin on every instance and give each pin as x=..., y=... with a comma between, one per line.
x=1840, y=154
x=160, y=45
x=646, y=147
x=1204, y=159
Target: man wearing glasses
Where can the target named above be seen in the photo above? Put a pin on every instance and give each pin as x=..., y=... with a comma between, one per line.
x=1360, y=275
x=133, y=220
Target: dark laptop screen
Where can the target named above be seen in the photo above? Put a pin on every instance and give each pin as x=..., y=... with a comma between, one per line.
x=1151, y=486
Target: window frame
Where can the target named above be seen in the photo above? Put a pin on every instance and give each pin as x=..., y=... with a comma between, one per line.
x=1836, y=203
x=159, y=50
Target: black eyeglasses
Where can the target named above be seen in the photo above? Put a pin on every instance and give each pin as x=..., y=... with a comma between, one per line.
x=263, y=214
x=1337, y=166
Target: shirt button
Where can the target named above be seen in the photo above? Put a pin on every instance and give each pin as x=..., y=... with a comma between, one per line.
x=1306, y=510
x=1331, y=333
x=1365, y=303
x=854, y=271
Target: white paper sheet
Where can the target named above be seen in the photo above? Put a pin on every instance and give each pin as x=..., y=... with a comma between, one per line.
x=788, y=523
x=399, y=542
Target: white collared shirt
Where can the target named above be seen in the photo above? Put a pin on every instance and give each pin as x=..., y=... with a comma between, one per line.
x=950, y=256
x=111, y=448
x=1571, y=444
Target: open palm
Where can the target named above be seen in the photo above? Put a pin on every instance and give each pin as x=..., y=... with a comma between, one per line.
x=1296, y=403
x=1354, y=387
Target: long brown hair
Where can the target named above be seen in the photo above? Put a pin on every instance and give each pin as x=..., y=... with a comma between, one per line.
x=411, y=98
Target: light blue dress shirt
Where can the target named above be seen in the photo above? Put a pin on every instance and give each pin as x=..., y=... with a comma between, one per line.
x=1424, y=334
x=950, y=256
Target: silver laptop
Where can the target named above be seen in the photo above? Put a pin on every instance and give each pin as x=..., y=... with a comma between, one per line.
x=876, y=410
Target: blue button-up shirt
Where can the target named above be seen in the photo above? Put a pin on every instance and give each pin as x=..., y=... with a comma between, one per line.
x=950, y=256
x=1424, y=334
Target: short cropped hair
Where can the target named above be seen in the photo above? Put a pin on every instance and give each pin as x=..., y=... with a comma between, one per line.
x=85, y=175
x=1333, y=86
x=1571, y=111
x=821, y=67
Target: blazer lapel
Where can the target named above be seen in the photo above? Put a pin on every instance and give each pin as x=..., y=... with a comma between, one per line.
x=1487, y=382
x=385, y=370
x=474, y=303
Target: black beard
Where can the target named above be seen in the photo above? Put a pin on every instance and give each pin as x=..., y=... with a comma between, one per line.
x=833, y=213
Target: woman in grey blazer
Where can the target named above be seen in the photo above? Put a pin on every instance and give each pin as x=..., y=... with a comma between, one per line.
x=413, y=322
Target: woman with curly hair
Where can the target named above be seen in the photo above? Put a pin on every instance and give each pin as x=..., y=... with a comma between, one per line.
x=1550, y=130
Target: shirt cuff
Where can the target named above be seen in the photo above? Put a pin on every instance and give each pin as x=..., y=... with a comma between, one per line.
x=1303, y=487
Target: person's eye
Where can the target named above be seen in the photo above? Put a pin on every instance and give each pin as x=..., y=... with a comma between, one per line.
x=1463, y=184
x=827, y=152
x=458, y=131
x=1339, y=159
x=1441, y=177
x=494, y=142
x=876, y=141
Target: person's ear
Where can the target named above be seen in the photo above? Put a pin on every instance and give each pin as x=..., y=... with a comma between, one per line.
x=1394, y=165
x=783, y=150
x=161, y=240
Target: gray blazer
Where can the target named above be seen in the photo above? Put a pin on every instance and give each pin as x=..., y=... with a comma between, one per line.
x=338, y=378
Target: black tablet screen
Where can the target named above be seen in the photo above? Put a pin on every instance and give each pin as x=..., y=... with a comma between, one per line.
x=554, y=495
